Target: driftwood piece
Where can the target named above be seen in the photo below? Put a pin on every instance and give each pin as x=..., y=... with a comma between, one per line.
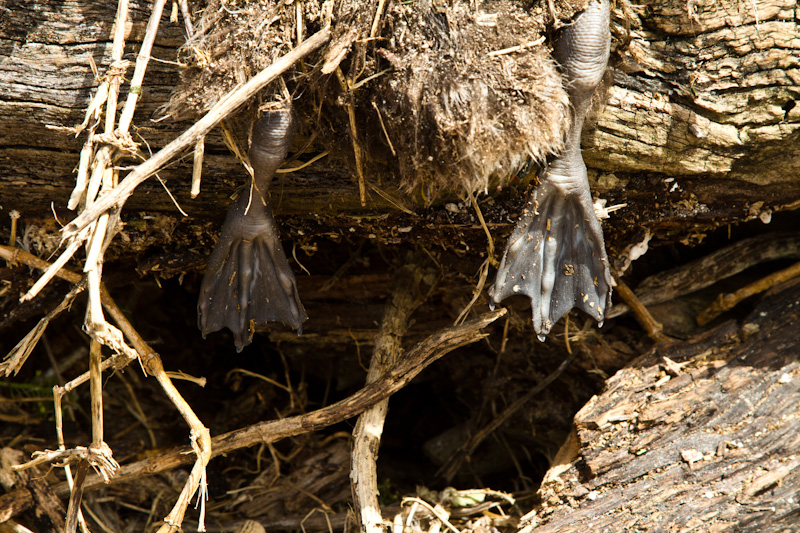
x=702, y=434
x=716, y=82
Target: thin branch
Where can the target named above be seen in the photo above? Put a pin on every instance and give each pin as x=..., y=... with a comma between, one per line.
x=420, y=357
x=652, y=326
x=197, y=165
x=728, y=301
x=96, y=387
x=142, y=59
x=357, y=154
x=410, y=289
x=13, y=362
x=187, y=19
x=75, y=498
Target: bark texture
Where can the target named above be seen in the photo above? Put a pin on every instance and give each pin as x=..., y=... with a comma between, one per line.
x=698, y=436
x=703, y=93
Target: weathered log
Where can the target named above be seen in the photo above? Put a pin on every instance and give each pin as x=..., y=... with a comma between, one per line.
x=701, y=434
x=703, y=103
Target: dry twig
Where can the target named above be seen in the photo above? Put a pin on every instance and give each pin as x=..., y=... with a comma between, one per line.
x=484, y=270
x=348, y=89
x=728, y=301
x=643, y=317
x=74, y=231
x=412, y=284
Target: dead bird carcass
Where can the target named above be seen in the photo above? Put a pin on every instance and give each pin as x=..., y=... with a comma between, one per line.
x=451, y=96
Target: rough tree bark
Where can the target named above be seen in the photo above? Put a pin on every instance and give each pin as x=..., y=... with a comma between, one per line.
x=704, y=93
x=700, y=436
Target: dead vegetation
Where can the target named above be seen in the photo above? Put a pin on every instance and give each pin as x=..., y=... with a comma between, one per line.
x=440, y=97
x=485, y=417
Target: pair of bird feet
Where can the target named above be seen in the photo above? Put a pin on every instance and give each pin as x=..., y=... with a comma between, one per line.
x=556, y=255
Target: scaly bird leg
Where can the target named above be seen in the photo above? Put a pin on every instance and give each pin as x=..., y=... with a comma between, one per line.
x=248, y=281
x=556, y=255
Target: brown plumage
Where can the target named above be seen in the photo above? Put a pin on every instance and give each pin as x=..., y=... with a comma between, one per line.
x=465, y=93
x=468, y=91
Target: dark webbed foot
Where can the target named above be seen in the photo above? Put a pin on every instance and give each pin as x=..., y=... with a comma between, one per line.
x=248, y=281
x=556, y=255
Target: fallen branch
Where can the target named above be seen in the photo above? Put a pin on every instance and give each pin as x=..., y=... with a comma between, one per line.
x=725, y=302
x=412, y=284
x=719, y=265
x=417, y=359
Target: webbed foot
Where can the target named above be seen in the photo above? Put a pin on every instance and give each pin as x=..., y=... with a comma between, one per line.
x=248, y=281
x=556, y=257
x=556, y=254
